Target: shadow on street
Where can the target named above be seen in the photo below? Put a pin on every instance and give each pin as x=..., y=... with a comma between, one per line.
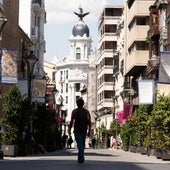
x=67, y=160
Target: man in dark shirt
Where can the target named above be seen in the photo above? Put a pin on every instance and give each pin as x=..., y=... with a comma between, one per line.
x=81, y=119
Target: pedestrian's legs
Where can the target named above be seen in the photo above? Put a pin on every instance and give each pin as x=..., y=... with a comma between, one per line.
x=80, y=140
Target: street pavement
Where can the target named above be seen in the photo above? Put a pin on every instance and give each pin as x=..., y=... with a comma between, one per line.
x=95, y=159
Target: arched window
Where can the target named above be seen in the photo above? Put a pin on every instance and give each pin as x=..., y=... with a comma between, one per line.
x=78, y=53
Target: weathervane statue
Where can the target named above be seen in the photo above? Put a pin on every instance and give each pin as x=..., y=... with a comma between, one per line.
x=81, y=15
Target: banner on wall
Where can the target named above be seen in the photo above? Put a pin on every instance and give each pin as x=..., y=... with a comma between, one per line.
x=164, y=67
x=9, y=66
x=39, y=90
x=146, y=91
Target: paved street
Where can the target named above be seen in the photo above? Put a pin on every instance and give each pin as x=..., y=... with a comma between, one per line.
x=99, y=159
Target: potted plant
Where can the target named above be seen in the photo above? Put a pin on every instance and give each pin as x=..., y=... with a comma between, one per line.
x=160, y=120
x=133, y=130
x=125, y=136
x=143, y=113
x=11, y=109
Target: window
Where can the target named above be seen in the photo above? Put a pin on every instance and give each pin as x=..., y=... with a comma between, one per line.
x=53, y=76
x=108, y=77
x=66, y=88
x=77, y=87
x=138, y=45
x=61, y=88
x=116, y=64
x=108, y=61
x=78, y=53
x=66, y=74
x=107, y=94
x=66, y=99
x=61, y=75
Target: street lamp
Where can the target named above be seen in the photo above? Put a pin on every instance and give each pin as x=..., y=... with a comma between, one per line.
x=105, y=138
x=54, y=92
x=31, y=60
x=3, y=20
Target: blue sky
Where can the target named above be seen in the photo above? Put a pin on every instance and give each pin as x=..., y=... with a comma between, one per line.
x=60, y=21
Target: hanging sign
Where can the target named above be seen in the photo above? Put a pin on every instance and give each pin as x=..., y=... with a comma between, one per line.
x=146, y=91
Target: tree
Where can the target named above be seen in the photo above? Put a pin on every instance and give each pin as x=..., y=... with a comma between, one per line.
x=160, y=121
x=12, y=110
x=114, y=128
x=143, y=113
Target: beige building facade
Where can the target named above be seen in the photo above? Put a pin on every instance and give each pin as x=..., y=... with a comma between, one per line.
x=136, y=46
x=107, y=45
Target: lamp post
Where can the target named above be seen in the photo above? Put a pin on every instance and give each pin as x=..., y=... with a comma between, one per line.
x=105, y=135
x=3, y=21
x=99, y=140
x=54, y=92
x=31, y=60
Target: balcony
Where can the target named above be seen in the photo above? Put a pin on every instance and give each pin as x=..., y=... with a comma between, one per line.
x=107, y=36
x=105, y=103
x=136, y=10
x=135, y=61
x=138, y=33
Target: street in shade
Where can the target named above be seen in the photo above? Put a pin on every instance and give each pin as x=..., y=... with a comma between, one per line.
x=99, y=159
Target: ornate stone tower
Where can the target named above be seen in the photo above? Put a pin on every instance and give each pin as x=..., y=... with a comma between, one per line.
x=72, y=71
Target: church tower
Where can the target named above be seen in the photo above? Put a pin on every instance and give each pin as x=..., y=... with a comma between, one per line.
x=72, y=71
x=80, y=41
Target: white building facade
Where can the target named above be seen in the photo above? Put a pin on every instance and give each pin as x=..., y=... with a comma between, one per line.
x=38, y=19
x=72, y=71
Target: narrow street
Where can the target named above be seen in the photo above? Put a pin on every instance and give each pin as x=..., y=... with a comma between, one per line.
x=99, y=159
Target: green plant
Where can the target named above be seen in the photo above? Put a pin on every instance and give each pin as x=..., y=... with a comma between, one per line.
x=114, y=128
x=46, y=127
x=12, y=110
x=160, y=121
x=133, y=130
x=125, y=134
x=143, y=112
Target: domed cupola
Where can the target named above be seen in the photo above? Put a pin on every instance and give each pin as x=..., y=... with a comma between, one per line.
x=80, y=28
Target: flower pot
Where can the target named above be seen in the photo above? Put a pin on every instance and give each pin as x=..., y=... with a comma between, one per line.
x=143, y=150
x=125, y=148
x=133, y=148
x=158, y=154
x=151, y=152
x=165, y=154
x=10, y=150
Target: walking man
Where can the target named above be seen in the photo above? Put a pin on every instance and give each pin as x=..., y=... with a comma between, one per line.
x=81, y=120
